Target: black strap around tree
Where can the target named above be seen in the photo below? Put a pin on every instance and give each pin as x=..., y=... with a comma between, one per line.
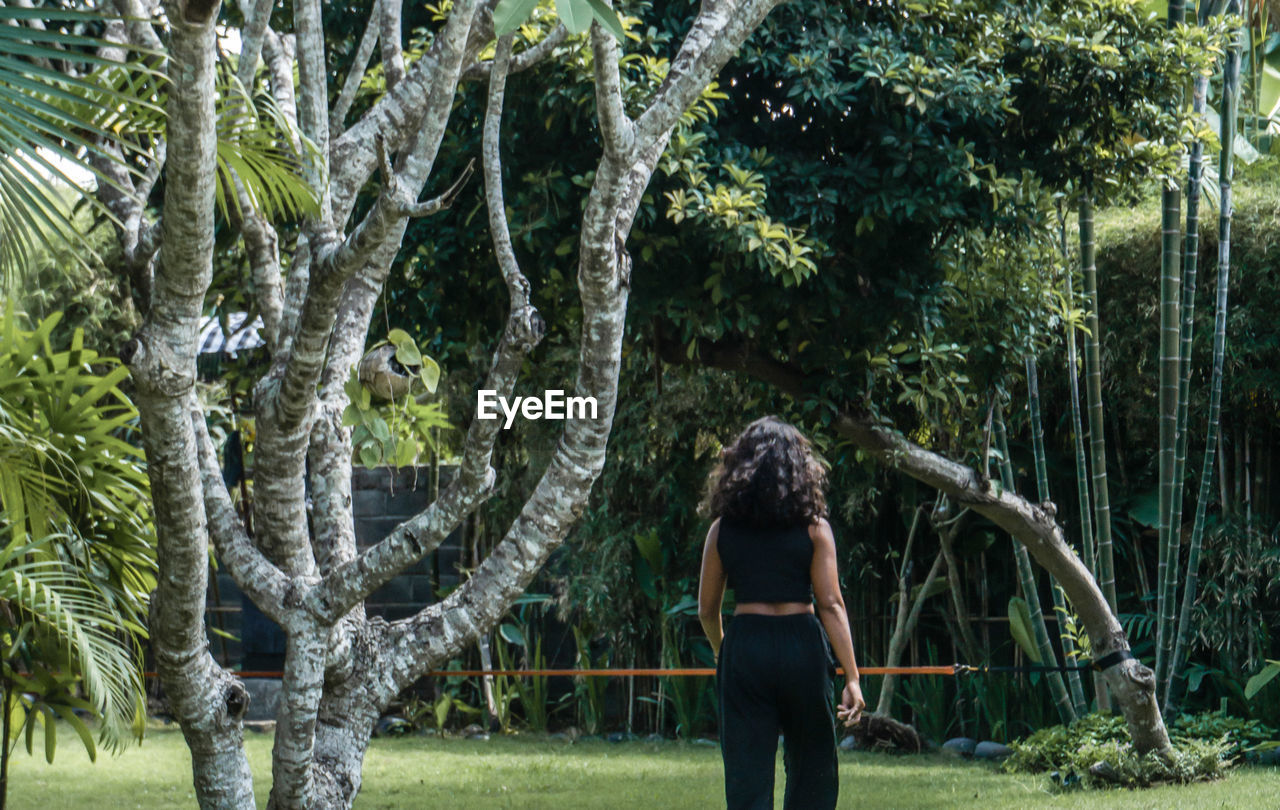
x=1100, y=665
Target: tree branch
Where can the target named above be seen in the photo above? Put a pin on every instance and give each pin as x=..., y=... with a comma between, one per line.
x=313, y=97
x=253, y=573
x=364, y=52
x=714, y=37
x=616, y=130
x=257, y=14
x=401, y=114
x=390, y=13
x=208, y=702
x=419, y=536
x=524, y=60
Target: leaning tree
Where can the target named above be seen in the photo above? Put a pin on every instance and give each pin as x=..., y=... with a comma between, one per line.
x=302, y=567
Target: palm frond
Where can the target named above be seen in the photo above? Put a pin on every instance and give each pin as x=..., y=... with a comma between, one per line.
x=50, y=120
x=260, y=148
x=63, y=613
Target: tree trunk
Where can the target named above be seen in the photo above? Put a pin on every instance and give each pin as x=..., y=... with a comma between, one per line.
x=905, y=627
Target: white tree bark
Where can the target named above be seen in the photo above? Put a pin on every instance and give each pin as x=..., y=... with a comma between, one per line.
x=302, y=567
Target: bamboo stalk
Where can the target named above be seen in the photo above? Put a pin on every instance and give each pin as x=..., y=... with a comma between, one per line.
x=1231, y=95
x=1170, y=367
x=1042, y=492
x=1093, y=393
x=1082, y=460
x=1027, y=576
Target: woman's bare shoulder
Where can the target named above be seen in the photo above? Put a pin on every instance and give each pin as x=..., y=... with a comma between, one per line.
x=820, y=529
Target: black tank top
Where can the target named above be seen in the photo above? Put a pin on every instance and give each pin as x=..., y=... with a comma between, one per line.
x=766, y=564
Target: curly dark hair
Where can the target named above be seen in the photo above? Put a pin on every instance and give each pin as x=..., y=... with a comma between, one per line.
x=767, y=476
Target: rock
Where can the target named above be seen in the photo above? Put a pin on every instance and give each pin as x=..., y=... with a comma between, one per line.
x=991, y=750
x=704, y=741
x=655, y=737
x=261, y=726
x=474, y=728
x=960, y=746
x=849, y=743
x=480, y=735
x=620, y=736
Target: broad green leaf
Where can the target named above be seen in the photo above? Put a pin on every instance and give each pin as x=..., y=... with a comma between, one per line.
x=1257, y=682
x=509, y=15
x=86, y=736
x=650, y=548
x=398, y=337
x=575, y=14
x=370, y=454
x=608, y=18
x=430, y=373
x=512, y=634
x=407, y=355
x=1020, y=628
x=937, y=586
x=50, y=734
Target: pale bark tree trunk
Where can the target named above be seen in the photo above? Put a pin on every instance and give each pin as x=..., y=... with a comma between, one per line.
x=302, y=567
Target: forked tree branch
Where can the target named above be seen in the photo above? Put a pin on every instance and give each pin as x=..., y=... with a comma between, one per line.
x=422, y=534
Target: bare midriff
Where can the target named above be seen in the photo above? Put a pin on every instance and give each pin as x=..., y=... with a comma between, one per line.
x=773, y=608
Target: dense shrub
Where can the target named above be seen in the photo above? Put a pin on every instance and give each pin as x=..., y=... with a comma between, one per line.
x=1094, y=751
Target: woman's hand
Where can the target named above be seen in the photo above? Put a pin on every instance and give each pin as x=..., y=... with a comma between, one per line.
x=851, y=703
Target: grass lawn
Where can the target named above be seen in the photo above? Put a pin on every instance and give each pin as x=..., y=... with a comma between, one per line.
x=544, y=775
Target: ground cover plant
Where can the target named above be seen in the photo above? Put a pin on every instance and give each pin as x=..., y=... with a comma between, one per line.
x=1095, y=751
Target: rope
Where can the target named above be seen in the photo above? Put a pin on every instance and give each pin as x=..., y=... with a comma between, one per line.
x=1101, y=664
x=951, y=669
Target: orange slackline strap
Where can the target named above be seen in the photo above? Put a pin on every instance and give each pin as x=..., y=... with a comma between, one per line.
x=622, y=673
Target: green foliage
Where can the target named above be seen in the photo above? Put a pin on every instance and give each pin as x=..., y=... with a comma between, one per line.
x=589, y=693
x=400, y=432
x=63, y=277
x=1020, y=627
x=1264, y=677
x=49, y=117
x=270, y=157
x=76, y=563
x=1203, y=748
x=577, y=16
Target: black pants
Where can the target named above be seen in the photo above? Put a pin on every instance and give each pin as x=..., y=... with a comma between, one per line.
x=774, y=675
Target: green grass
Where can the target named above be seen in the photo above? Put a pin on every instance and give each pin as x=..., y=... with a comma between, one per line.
x=544, y=775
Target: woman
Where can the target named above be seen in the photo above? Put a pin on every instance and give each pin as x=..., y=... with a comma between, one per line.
x=771, y=543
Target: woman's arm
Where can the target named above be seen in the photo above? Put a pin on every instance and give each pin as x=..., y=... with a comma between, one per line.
x=711, y=589
x=831, y=610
